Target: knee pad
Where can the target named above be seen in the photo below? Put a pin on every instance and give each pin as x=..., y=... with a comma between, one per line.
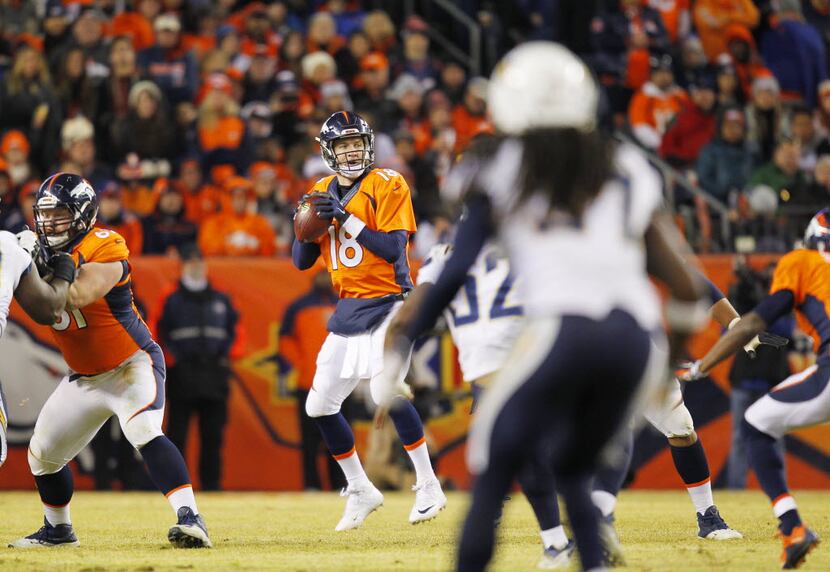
x=315, y=406
x=42, y=461
x=676, y=423
x=143, y=428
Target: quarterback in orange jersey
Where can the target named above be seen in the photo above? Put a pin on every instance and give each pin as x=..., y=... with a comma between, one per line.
x=802, y=283
x=116, y=369
x=367, y=255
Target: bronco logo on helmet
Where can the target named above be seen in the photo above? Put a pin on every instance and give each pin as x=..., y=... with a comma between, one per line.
x=341, y=125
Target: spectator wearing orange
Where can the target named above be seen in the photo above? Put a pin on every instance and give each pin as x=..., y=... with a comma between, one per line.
x=693, y=127
x=221, y=132
x=375, y=77
x=624, y=37
x=322, y=34
x=256, y=30
x=469, y=118
x=744, y=56
x=113, y=216
x=302, y=332
x=167, y=228
x=14, y=149
x=237, y=231
x=408, y=92
x=141, y=198
x=135, y=25
x=201, y=200
x=712, y=17
x=654, y=106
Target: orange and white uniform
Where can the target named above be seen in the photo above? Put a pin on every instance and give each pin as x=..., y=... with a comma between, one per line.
x=371, y=289
x=802, y=283
x=652, y=109
x=117, y=368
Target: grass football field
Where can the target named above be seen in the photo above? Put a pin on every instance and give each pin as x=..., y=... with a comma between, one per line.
x=286, y=531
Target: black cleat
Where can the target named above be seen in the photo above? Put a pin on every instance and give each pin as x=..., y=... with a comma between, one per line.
x=48, y=537
x=797, y=545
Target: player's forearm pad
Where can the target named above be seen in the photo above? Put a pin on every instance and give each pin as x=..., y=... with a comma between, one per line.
x=63, y=267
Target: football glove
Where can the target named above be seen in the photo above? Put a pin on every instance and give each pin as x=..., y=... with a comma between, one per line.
x=28, y=241
x=328, y=207
x=689, y=371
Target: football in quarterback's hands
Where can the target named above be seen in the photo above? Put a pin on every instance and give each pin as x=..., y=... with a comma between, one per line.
x=308, y=227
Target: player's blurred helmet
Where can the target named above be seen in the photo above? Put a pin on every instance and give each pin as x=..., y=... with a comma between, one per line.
x=817, y=235
x=342, y=125
x=542, y=84
x=65, y=210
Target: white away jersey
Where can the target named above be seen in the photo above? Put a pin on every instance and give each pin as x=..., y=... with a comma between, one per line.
x=485, y=317
x=585, y=268
x=14, y=262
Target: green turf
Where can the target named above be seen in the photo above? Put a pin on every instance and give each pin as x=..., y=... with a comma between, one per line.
x=127, y=531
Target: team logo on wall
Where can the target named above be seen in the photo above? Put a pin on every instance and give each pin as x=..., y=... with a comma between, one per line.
x=31, y=371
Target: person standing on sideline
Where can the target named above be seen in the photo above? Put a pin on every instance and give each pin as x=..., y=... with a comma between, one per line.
x=302, y=333
x=197, y=327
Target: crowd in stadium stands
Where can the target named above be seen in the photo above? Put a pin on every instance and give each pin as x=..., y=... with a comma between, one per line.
x=195, y=120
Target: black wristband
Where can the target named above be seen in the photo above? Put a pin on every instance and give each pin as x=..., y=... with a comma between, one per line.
x=63, y=268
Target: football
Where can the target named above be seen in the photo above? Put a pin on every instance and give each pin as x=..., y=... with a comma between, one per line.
x=308, y=227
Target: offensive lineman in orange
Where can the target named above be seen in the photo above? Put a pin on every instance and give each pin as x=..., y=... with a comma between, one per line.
x=366, y=254
x=117, y=369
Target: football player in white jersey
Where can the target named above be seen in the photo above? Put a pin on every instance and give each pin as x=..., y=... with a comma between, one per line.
x=42, y=300
x=580, y=222
x=484, y=320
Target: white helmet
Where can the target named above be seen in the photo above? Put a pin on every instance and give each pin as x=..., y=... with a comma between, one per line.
x=542, y=84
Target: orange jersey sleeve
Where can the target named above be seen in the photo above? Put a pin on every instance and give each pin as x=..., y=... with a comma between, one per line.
x=394, y=202
x=98, y=337
x=806, y=274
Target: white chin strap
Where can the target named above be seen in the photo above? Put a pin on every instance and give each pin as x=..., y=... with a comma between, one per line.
x=58, y=240
x=352, y=173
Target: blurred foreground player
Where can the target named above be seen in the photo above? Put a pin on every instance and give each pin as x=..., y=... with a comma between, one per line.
x=580, y=224
x=801, y=282
x=117, y=369
x=43, y=301
x=366, y=254
x=484, y=319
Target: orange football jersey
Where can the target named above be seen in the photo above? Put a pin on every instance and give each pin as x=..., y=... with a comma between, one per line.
x=96, y=338
x=806, y=274
x=383, y=201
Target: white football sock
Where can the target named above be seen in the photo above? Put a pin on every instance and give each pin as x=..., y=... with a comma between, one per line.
x=182, y=496
x=56, y=515
x=352, y=468
x=604, y=501
x=555, y=537
x=701, y=496
x=420, y=458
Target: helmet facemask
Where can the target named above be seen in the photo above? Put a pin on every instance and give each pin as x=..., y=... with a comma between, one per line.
x=58, y=225
x=350, y=162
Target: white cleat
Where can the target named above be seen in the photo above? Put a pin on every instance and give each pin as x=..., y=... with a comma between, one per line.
x=362, y=501
x=429, y=501
x=557, y=559
x=711, y=526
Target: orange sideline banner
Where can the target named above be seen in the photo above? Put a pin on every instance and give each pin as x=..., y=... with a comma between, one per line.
x=261, y=450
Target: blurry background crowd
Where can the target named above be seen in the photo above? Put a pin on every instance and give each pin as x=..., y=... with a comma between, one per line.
x=194, y=120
